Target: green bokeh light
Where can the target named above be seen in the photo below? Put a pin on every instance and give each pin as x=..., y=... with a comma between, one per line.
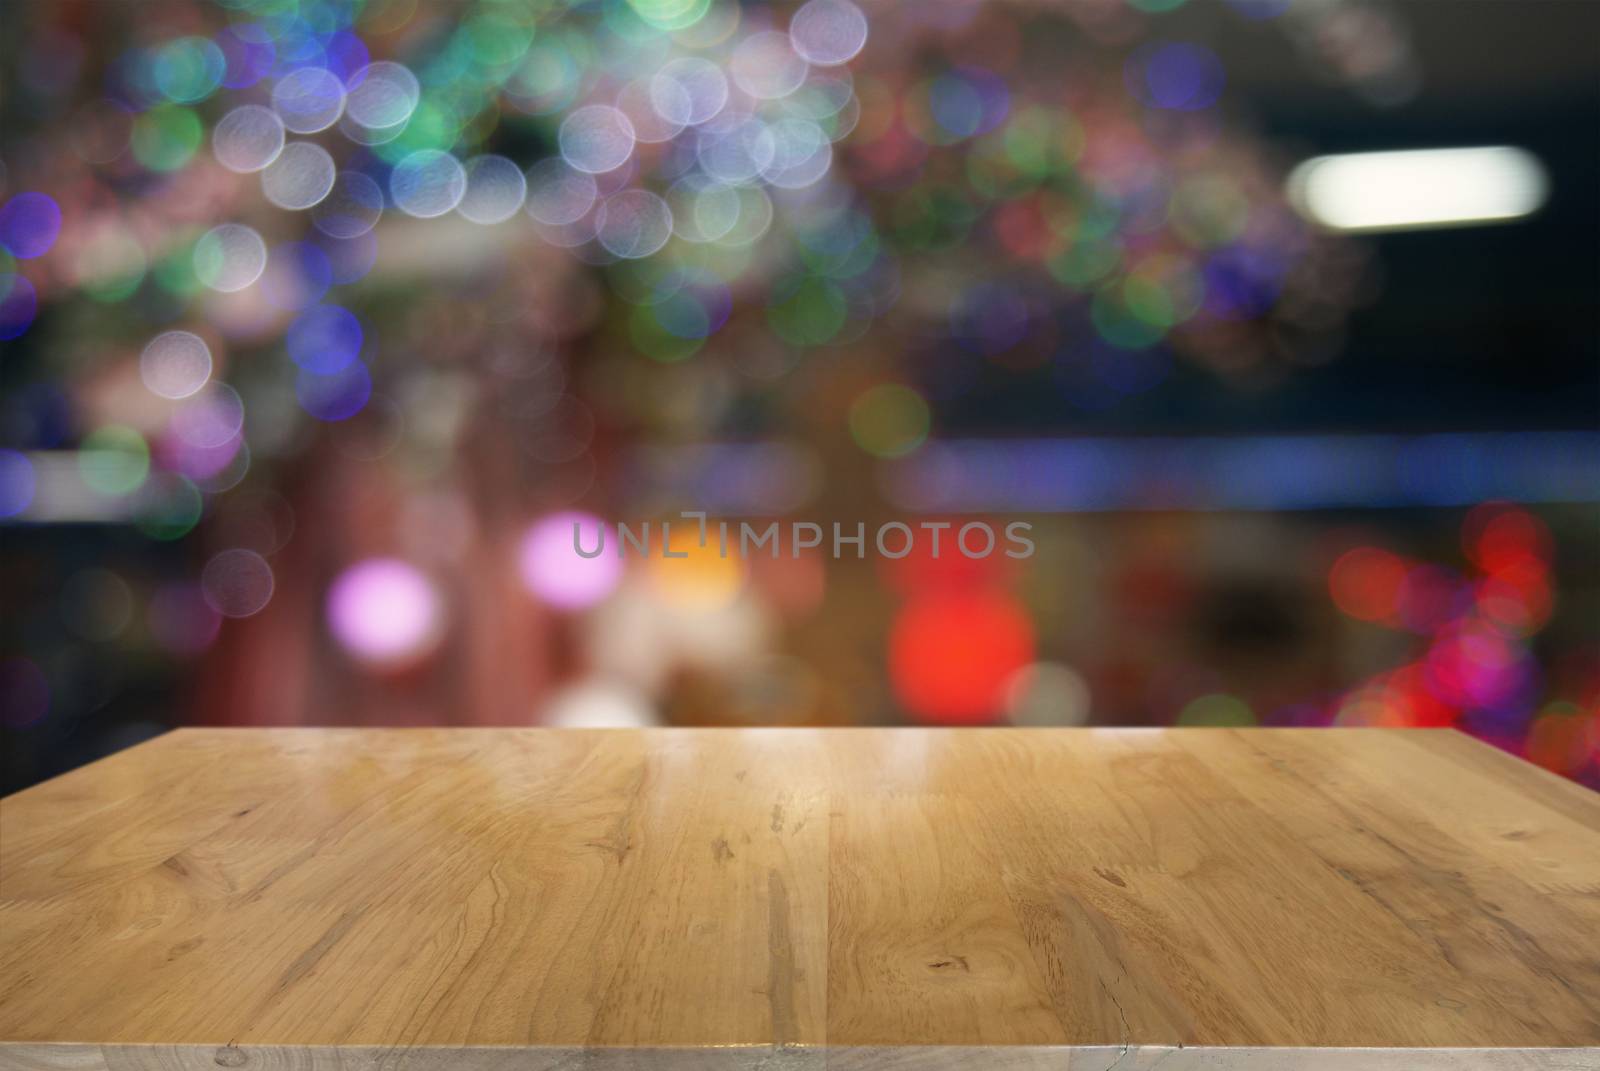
x=889, y=420
x=1220, y=710
x=188, y=69
x=166, y=137
x=114, y=460
x=174, y=512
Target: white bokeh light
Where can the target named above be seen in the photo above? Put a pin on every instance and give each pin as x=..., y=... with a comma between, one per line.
x=247, y=139
x=300, y=177
x=229, y=257
x=428, y=183
x=175, y=364
x=596, y=138
x=495, y=190
x=827, y=33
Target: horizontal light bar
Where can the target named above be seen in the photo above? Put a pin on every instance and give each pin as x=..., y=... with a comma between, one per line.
x=1272, y=472
x=60, y=495
x=1391, y=191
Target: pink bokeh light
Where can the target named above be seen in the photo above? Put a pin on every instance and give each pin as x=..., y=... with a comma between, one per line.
x=554, y=571
x=384, y=611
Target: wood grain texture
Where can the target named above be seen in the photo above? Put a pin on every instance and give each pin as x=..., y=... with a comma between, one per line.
x=853, y=899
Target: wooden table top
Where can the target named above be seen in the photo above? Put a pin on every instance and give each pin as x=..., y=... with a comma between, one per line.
x=480, y=898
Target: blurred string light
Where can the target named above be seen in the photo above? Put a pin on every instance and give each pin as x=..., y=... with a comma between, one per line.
x=1417, y=188
x=1055, y=210
x=1476, y=669
x=724, y=170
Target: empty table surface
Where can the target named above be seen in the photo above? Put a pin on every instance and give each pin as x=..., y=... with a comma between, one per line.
x=851, y=898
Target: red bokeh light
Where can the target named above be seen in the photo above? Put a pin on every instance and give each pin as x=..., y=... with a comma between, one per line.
x=1498, y=536
x=919, y=571
x=1420, y=706
x=951, y=654
x=1365, y=583
x=1563, y=742
x=1516, y=599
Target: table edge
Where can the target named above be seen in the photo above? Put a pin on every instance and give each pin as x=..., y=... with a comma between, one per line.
x=72, y=1056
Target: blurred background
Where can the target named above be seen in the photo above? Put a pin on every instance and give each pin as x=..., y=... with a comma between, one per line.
x=323, y=319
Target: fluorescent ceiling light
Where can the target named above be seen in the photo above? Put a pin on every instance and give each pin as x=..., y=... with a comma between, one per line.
x=1390, y=191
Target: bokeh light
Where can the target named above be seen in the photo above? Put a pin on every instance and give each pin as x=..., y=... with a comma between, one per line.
x=1177, y=75
x=237, y=583
x=16, y=482
x=247, y=139
x=29, y=224
x=308, y=100
x=495, y=190
x=705, y=577
x=688, y=91
x=953, y=654
x=230, y=257
x=1047, y=694
x=1366, y=582
x=766, y=66
x=382, y=96
x=96, y=604
x=334, y=395
x=836, y=225
x=427, y=183
x=558, y=194
x=826, y=33
x=553, y=570
x=1218, y=711
x=633, y=224
x=210, y=417
x=19, y=304
x=175, y=364
x=114, y=459
x=299, y=177
x=599, y=705
x=596, y=139
x=385, y=612
x=353, y=206
x=889, y=420
x=324, y=339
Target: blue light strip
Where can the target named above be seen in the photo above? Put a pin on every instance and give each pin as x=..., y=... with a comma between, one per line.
x=1288, y=472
